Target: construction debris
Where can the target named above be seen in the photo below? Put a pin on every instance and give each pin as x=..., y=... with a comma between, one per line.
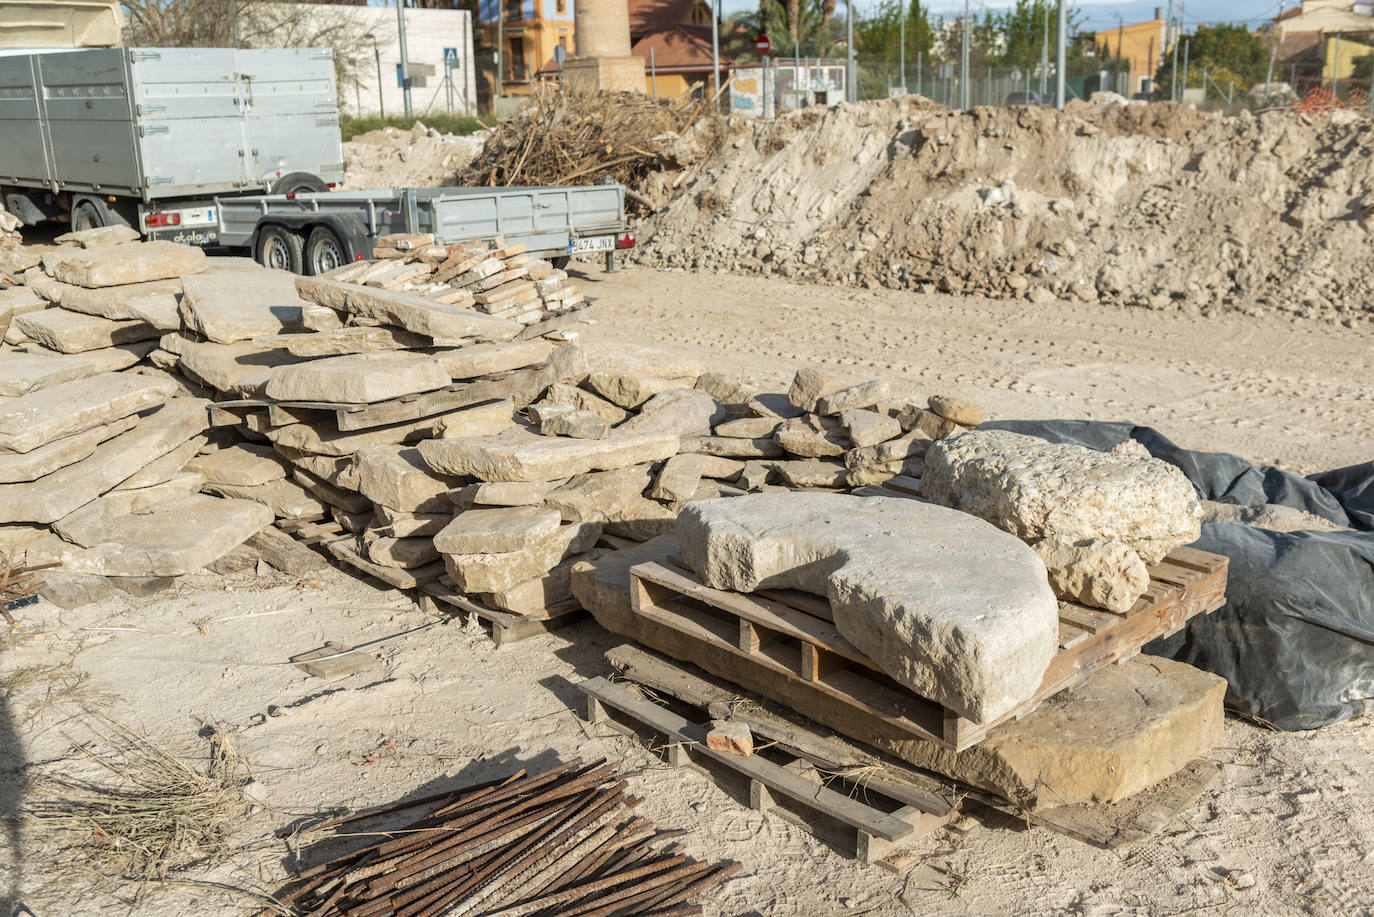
x=560, y=841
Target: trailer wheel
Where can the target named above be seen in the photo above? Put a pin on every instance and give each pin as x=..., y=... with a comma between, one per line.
x=561, y=262
x=279, y=248
x=299, y=183
x=323, y=251
x=85, y=217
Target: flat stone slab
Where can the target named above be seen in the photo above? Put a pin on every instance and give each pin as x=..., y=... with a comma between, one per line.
x=413, y=313
x=241, y=306
x=113, y=462
x=479, y=420
x=399, y=479
x=562, y=394
x=402, y=553
x=228, y=367
x=601, y=496
x=113, y=302
x=683, y=411
x=100, y=236
x=944, y=603
x=75, y=332
x=518, y=455
x=629, y=390
x=485, y=359
x=498, y=530
x=286, y=499
x=132, y=263
x=360, y=378
x=245, y=464
x=342, y=341
x=1033, y=488
x=649, y=361
x=496, y=572
x=169, y=539
x=32, y=420
x=22, y=372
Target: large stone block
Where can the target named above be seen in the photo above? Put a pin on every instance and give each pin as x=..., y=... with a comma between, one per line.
x=518, y=455
x=500, y=571
x=413, y=313
x=245, y=464
x=228, y=367
x=600, y=496
x=357, y=378
x=132, y=263
x=498, y=530
x=645, y=360
x=113, y=302
x=23, y=372
x=1094, y=571
x=241, y=306
x=947, y=605
x=113, y=461
x=340, y=341
x=1034, y=489
x=480, y=420
x=16, y=467
x=399, y=479
x=485, y=359
x=41, y=417
x=683, y=411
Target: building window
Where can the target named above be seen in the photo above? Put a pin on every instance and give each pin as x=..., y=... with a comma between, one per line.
x=515, y=61
x=561, y=6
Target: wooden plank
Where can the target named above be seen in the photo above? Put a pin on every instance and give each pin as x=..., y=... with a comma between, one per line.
x=285, y=553
x=778, y=779
x=905, y=484
x=507, y=626
x=814, y=605
x=339, y=666
x=1092, y=620
x=556, y=323
x=1071, y=635
x=402, y=579
x=1192, y=558
x=790, y=621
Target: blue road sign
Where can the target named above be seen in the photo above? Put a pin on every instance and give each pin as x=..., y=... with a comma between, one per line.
x=450, y=54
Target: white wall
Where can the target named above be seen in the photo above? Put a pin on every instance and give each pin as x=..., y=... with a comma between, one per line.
x=428, y=33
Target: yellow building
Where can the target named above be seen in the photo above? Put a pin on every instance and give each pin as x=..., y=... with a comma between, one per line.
x=1141, y=45
x=527, y=32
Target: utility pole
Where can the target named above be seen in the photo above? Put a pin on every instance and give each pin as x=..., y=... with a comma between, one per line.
x=1164, y=51
x=1185, y=68
x=715, y=55
x=1173, y=75
x=1045, y=54
x=405, y=66
x=1273, y=51
x=1059, y=54
x=1120, y=37
x=377, y=53
x=901, y=50
x=501, y=48
x=1336, y=66
x=850, y=74
x=965, y=98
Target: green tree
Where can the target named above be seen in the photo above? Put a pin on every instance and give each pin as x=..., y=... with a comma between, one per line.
x=1229, y=49
x=816, y=35
x=878, y=35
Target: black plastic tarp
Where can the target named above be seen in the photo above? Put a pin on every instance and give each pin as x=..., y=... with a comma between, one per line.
x=1295, y=640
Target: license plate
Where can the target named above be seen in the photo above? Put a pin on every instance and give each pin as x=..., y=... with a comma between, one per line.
x=201, y=216
x=591, y=244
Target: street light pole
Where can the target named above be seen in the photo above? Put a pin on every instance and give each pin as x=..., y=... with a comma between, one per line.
x=1045, y=57
x=849, y=75
x=1059, y=59
x=965, y=98
x=405, y=66
x=376, y=53
x=901, y=51
x=715, y=56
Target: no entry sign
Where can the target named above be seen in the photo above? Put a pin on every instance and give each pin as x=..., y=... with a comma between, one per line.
x=762, y=45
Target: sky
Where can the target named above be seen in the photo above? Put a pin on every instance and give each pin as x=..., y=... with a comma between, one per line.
x=1102, y=15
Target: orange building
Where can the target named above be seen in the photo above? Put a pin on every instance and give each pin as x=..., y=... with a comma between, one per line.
x=1141, y=45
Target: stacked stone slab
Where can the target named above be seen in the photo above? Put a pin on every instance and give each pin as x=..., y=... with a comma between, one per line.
x=491, y=277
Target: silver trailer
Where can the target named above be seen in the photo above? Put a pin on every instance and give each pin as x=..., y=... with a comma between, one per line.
x=315, y=233
x=149, y=137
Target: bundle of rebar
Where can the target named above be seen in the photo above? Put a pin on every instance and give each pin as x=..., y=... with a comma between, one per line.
x=18, y=585
x=561, y=842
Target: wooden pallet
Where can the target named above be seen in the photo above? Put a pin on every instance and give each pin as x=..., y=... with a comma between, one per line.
x=872, y=824
x=791, y=647
x=345, y=549
x=1112, y=826
x=504, y=626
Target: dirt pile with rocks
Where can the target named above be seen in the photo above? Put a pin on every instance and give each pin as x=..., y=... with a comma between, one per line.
x=1149, y=205
x=420, y=157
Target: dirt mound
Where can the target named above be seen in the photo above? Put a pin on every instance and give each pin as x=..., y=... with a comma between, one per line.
x=1151, y=205
x=420, y=157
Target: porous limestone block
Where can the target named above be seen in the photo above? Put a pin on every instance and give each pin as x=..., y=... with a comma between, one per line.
x=1094, y=571
x=1034, y=489
x=944, y=603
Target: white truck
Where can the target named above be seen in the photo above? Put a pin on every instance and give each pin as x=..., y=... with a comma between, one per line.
x=240, y=149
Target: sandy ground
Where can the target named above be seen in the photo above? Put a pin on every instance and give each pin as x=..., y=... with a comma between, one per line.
x=1288, y=828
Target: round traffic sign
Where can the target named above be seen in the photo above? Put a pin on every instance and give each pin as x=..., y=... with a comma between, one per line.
x=762, y=45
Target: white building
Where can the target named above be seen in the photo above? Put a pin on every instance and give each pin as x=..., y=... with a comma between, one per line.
x=439, y=52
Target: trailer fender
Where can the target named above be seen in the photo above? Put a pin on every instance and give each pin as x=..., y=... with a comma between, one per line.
x=350, y=229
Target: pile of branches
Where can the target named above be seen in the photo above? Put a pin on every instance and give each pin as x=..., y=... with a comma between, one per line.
x=560, y=843
x=578, y=136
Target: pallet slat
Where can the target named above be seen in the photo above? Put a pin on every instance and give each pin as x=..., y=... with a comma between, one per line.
x=806, y=649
